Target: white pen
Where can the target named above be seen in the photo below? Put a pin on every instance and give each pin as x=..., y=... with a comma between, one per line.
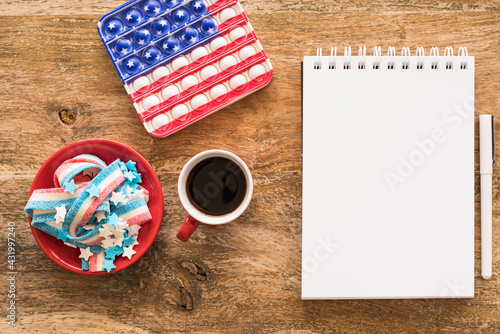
x=486, y=161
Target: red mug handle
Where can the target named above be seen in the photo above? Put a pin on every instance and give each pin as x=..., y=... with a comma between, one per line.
x=187, y=228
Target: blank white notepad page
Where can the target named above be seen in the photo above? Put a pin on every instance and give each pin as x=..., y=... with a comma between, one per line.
x=388, y=179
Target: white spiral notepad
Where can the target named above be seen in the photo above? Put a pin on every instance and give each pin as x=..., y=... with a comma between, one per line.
x=388, y=175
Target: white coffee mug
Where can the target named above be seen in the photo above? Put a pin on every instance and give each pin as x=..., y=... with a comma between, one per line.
x=195, y=216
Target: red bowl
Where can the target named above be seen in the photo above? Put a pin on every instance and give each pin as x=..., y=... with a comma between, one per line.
x=108, y=151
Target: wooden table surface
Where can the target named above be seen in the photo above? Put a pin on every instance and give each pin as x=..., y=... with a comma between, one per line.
x=239, y=278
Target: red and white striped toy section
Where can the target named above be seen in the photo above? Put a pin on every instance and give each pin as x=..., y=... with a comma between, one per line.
x=210, y=77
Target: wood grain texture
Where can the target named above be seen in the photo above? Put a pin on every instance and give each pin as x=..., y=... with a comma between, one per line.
x=239, y=278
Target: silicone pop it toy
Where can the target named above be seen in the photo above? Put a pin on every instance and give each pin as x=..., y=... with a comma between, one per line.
x=183, y=60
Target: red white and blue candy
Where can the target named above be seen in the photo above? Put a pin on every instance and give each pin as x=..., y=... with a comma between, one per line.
x=96, y=207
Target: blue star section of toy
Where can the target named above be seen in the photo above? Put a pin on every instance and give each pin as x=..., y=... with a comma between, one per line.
x=113, y=27
x=151, y=55
x=108, y=265
x=180, y=17
x=93, y=191
x=70, y=187
x=123, y=46
x=171, y=45
x=132, y=65
x=113, y=220
x=171, y=3
x=152, y=8
x=199, y=7
x=133, y=17
x=142, y=36
x=209, y=26
x=190, y=36
x=161, y=27
x=62, y=236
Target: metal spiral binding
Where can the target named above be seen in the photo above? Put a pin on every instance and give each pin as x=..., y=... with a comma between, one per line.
x=406, y=58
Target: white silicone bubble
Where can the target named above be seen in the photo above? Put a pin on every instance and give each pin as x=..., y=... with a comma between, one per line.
x=227, y=14
x=179, y=111
x=160, y=121
x=218, y=91
x=237, y=81
x=256, y=71
x=237, y=33
x=160, y=72
x=199, y=53
x=169, y=92
x=180, y=63
x=198, y=101
x=218, y=43
x=189, y=82
x=208, y=72
x=141, y=82
x=228, y=62
x=247, y=52
x=150, y=101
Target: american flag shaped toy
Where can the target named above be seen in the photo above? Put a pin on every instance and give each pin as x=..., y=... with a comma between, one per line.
x=183, y=60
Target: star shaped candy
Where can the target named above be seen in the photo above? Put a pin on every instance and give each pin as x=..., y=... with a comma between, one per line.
x=117, y=198
x=134, y=229
x=93, y=191
x=114, y=220
x=118, y=241
x=131, y=164
x=129, y=175
x=62, y=236
x=108, y=242
x=60, y=213
x=110, y=253
x=104, y=231
x=128, y=252
x=100, y=215
x=108, y=265
x=70, y=187
x=122, y=225
x=85, y=253
x=128, y=241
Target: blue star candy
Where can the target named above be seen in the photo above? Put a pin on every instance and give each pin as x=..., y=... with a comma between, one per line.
x=62, y=236
x=129, y=240
x=137, y=177
x=110, y=253
x=70, y=187
x=113, y=220
x=108, y=265
x=131, y=166
x=129, y=175
x=93, y=191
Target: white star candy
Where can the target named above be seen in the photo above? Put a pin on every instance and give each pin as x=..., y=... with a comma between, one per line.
x=85, y=253
x=100, y=215
x=134, y=229
x=147, y=56
x=197, y=5
x=105, y=231
x=118, y=241
x=122, y=225
x=108, y=243
x=128, y=252
x=129, y=17
x=130, y=63
x=111, y=26
x=118, y=198
x=61, y=213
x=118, y=233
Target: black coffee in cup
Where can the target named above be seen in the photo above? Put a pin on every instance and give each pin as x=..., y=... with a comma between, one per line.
x=216, y=186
